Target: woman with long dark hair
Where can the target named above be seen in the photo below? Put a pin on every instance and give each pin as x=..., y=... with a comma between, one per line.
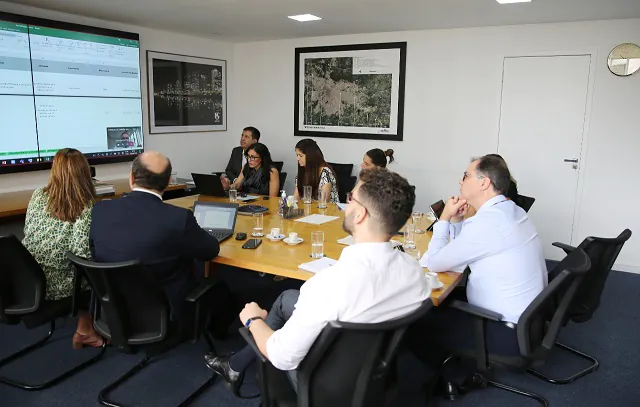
x=313, y=170
x=376, y=158
x=58, y=220
x=258, y=176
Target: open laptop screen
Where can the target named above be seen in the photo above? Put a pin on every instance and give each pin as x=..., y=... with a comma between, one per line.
x=215, y=217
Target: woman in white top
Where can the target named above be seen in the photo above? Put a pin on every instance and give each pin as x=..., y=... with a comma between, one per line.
x=313, y=170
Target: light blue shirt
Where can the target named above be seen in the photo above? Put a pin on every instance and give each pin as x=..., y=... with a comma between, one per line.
x=502, y=248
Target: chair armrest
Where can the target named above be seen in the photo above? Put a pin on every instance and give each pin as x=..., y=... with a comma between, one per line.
x=198, y=292
x=475, y=310
x=567, y=248
x=201, y=314
x=246, y=335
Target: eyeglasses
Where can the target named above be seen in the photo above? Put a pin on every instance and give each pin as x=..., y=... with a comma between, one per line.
x=351, y=198
x=467, y=175
x=253, y=157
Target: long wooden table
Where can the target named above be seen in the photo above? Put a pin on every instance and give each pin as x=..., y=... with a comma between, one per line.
x=281, y=259
x=15, y=203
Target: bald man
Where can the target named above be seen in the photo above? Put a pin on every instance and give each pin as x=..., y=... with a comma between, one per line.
x=141, y=227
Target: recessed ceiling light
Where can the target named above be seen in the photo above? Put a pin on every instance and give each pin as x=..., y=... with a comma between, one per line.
x=305, y=17
x=513, y=1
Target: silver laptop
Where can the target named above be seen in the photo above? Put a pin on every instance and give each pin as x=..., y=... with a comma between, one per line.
x=218, y=219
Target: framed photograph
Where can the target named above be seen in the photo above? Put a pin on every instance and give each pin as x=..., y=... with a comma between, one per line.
x=186, y=94
x=350, y=91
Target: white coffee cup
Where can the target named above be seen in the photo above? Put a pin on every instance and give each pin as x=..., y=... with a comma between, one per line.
x=432, y=278
x=275, y=232
x=293, y=237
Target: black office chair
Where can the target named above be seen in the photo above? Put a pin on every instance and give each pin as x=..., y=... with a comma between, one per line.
x=349, y=364
x=132, y=311
x=537, y=329
x=436, y=209
x=525, y=202
x=345, y=181
x=283, y=178
x=22, y=299
x=278, y=165
x=603, y=253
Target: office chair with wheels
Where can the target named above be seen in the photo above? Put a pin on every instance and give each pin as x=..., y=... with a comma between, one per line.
x=345, y=181
x=537, y=329
x=22, y=299
x=278, y=165
x=603, y=253
x=525, y=202
x=132, y=311
x=349, y=364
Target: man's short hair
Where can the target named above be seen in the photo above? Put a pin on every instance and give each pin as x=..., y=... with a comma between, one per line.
x=255, y=133
x=145, y=178
x=494, y=168
x=388, y=197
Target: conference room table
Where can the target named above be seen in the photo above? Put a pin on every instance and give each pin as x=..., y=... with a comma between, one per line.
x=281, y=259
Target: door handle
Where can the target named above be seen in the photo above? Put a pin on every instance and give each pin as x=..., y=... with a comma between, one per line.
x=569, y=160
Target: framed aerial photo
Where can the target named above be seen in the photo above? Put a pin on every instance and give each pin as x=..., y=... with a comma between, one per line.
x=350, y=91
x=186, y=94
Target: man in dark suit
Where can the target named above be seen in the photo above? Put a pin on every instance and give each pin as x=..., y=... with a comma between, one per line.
x=141, y=227
x=250, y=136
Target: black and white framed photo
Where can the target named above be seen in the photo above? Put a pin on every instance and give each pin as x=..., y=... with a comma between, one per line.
x=186, y=94
x=350, y=91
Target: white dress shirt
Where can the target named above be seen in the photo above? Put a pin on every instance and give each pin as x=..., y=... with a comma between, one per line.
x=371, y=282
x=503, y=251
x=148, y=192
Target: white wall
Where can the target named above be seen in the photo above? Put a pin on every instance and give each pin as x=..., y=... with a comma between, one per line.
x=452, y=108
x=193, y=152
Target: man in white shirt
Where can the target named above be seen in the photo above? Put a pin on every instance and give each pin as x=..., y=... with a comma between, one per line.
x=370, y=283
x=501, y=247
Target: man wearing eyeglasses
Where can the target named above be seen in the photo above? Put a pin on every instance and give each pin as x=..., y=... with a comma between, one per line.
x=370, y=283
x=250, y=135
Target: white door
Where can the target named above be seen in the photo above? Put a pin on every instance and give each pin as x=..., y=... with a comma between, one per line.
x=542, y=120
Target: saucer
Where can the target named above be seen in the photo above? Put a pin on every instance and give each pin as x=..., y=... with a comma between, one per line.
x=293, y=243
x=275, y=238
x=257, y=235
x=438, y=286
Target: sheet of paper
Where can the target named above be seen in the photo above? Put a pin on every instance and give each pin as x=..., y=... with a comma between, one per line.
x=349, y=240
x=342, y=206
x=423, y=263
x=247, y=198
x=316, y=219
x=190, y=183
x=318, y=265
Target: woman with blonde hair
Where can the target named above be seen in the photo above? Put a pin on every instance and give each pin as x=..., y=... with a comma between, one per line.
x=58, y=220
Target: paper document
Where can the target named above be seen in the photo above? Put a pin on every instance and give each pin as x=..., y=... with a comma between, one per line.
x=349, y=240
x=423, y=263
x=247, y=198
x=316, y=219
x=317, y=265
x=342, y=206
x=190, y=183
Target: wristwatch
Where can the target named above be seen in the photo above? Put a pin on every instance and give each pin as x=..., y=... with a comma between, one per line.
x=249, y=321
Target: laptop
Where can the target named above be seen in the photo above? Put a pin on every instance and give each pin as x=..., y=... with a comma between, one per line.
x=436, y=209
x=208, y=184
x=218, y=219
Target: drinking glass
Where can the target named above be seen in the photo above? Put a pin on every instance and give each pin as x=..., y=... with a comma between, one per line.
x=322, y=199
x=257, y=225
x=409, y=237
x=317, y=245
x=174, y=178
x=417, y=216
x=307, y=194
x=233, y=195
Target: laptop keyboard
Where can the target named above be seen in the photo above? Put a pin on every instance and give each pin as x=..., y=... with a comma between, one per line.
x=219, y=234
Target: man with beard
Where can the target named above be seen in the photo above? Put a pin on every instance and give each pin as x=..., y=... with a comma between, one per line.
x=370, y=283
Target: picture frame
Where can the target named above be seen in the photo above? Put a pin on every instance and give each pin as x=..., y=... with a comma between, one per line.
x=186, y=93
x=350, y=91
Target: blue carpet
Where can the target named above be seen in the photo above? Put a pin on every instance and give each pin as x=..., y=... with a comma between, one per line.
x=611, y=336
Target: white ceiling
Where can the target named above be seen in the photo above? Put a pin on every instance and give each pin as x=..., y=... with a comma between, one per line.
x=249, y=20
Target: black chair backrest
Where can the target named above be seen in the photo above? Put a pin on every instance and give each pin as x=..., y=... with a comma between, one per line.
x=349, y=363
x=536, y=338
x=278, y=165
x=603, y=253
x=22, y=281
x=525, y=202
x=341, y=170
x=283, y=178
x=345, y=182
x=132, y=309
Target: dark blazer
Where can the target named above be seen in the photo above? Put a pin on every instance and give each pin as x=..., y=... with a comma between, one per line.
x=235, y=163
x=141, y=227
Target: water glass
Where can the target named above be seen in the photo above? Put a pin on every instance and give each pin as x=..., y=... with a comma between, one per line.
x=233, y=195
x=409, y=238
x=258, y=222
x=317, y=245
x=417, y=216
x=307, y=192
x=415, y=253
x=174, y=178
x=322, y=199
